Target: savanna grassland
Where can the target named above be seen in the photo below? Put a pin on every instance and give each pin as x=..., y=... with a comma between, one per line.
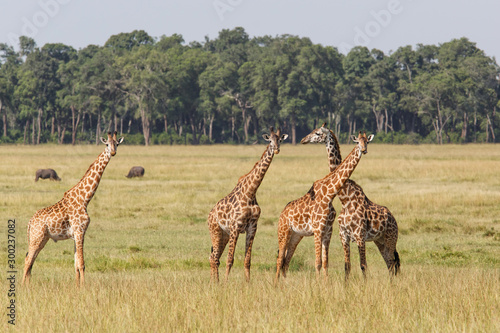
x=147, y=246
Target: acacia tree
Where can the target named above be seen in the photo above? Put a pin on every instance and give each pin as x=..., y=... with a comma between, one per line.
x=227, y=88
x=381, y=79
x=232, y=81
x=480, y=89
x=69, y=96
x=405, y=71
x=102, y=85
x=57, y=55
x=320, y=69
x=32, y=92
x=436, y=98
x=127, y=41
x=186, y=70
x=217, y=83
x=143, y=70
x=292, y=92
x=9, y=65
x=474, y=83
x=169, y=103
x=353, y=88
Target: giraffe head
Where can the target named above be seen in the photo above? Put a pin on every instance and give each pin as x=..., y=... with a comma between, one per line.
x=275, y=139
x=318, y=135
x=362, y=140
x=111, y=143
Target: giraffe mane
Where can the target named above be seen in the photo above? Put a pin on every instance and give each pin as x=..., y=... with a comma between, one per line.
x=84, y=175
x=312, y=193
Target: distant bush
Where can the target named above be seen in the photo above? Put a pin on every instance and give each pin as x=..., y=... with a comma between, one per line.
x=399, y=138
x=204, y=140
x=134, y=139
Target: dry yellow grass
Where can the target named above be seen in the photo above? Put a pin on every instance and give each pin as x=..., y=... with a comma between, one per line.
x=147, y=246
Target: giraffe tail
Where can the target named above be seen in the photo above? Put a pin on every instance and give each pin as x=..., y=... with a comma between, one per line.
x=28, y=235
x=397, y=262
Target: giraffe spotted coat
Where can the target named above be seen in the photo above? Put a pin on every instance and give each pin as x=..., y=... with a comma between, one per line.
x=68, y=218
x=360, y=219
x=313, y=213
x=238, y=212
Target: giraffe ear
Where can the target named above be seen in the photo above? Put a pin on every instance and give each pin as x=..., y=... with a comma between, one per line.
x=283, y=137
x=120, y=140
x=266, y=137
x=370, y=137
x=103, y=141
x=354, y=138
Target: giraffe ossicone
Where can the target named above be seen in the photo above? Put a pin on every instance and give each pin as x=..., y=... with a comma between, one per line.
x=68, y=217
x=238, y=212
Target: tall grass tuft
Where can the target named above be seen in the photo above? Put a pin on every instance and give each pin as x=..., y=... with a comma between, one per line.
x=147, y=245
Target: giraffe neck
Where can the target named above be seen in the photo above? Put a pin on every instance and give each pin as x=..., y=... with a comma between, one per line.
x=337, y=178
x=351, y=192
x=333, y=151
x=85, y=189
x=252, y=180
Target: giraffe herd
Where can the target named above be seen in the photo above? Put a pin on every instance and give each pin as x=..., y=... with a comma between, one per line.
x=360, y=219
x=311, y=215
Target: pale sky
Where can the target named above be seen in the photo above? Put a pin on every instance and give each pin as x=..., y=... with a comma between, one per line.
x=381, y=24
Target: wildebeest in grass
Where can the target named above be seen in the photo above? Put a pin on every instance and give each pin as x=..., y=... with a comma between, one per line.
x=135, y=171
x=46, y=174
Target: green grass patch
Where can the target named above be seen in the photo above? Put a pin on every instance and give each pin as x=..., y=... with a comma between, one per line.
x=147, y=246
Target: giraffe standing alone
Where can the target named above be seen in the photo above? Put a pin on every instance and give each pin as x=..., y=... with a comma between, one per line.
x=239, y=211
x=360, y=219
x=313, y=214
x=68, y=218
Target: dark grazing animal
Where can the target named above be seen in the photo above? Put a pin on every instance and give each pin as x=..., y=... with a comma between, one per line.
x=47, y=174
x=136, y=171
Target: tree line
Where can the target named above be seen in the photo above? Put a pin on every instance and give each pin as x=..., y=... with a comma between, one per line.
x=233, y=88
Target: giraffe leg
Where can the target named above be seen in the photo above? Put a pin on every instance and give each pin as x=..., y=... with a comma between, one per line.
x=252, y=229
x=362, y=256
x=397, y=262
x=387, y=248
x=284, y=235
x=279, y=262
x=219, y=241
x=327, y=236
x=290, y=250
x=325, y=248
x=345, y=239
x=36, y=244
x=318, y=250
x=381, y=248
x=79, y=261
x=233, y=238
x=383, y=251
x=215, y=262
x=391, y=257
x=391, y=241
x=347, y=256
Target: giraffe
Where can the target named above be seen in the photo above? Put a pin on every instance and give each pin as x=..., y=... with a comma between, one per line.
x=313, y=213
x=238, y=212
x=360, y=219
x=68, y=218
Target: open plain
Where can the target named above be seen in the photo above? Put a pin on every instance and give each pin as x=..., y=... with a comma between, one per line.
x=147, y=246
